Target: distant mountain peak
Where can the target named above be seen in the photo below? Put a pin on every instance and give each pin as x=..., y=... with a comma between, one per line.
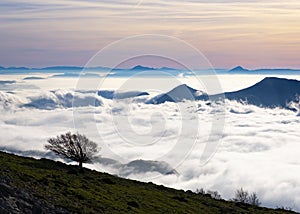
x=179, y=94
x=140, y=67
x=168, y=68
x=184, y=87
x=238, y=68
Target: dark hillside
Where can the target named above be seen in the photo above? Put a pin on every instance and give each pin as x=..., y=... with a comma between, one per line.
x=43, y=186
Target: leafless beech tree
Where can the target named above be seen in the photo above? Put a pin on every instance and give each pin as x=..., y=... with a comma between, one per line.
x=75, y=147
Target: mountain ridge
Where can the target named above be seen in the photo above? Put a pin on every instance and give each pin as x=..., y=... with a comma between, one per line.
x=242, y=70
x=137, y=67
x=271, y=92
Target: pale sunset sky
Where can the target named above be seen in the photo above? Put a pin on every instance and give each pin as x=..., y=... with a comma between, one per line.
x=251, y=33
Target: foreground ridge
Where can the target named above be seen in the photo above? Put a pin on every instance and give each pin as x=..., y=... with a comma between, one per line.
x=28, y=185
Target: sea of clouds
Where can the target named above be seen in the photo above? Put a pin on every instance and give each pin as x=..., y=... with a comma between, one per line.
x=255, y=148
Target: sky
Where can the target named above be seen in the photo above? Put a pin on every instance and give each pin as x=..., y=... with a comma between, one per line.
x=251, y=33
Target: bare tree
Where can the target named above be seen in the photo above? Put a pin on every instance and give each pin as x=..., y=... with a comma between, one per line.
x=200, y=191
x=253, y=199
x=75, y=147
x=241, y=196
x=244, y=197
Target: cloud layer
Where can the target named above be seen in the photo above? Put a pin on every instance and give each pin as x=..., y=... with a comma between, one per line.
x=258, y=150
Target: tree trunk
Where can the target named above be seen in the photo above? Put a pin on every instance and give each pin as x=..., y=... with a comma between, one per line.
x=80, y=165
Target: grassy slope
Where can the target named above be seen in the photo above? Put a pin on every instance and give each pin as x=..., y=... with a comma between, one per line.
x=93, y=192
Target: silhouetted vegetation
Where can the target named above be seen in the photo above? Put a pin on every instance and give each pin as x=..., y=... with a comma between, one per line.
x=243, y=196
x=212, y=194
x=75, y=147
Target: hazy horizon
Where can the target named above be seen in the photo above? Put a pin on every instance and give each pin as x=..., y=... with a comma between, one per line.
x=149, y=66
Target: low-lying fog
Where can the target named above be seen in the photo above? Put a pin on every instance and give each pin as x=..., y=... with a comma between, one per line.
x=258, y=148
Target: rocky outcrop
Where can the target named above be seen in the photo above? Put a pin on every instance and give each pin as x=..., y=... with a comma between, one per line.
x=17, y=201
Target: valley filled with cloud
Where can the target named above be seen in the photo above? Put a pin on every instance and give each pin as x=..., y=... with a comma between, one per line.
x=187, y=145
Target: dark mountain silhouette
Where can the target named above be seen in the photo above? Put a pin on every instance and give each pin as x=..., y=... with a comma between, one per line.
x=276, y=70
x=3, y=82
x=17, y=68
x=178, y=94
x=270, y=92
x=141, y=68
x=238, y=69
x=33, y=78
x=144, y=166
x=168, y=68
x=63, y=68
x=120, y=95
x=138, y=68
x=241, y=70
x=54, y=68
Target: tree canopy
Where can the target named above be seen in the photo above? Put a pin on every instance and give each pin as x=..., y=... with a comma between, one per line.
x=76, y=147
